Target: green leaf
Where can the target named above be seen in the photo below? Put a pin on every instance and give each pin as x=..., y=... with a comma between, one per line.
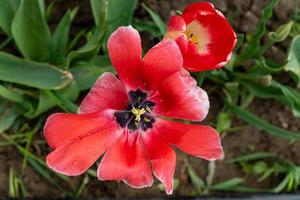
x=33, y=74
x=283, y=94
x=157, y=20
x=233, y=91
x=86, y=75
x=102, y=61
x=264, y=125
x=147, y=26
x=119, y=13
x=31, y=32
x=266, y=66
x=7, y=118
x=252, y=156
x=228, y=184
x=10, y=94
x=254, y=45
x=281, y=33
x=293, y=58
x=61, y=37
x=292, y=97
x=197, y=181
x=223, y=122
x=42, y=171
x=240, y=41
x=62, y=101
x=97, y=7
x=8, y=9
x=280, y=187
x=91, y=48
x=47, y=102
x=260, y=167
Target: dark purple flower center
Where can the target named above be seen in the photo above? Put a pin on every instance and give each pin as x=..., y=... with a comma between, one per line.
x=138, y=113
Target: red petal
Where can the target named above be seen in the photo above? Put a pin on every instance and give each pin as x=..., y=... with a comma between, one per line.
x=176, y=23
x=75, y=157
x=220, y=37
x=162, y=158
x=107, y=93
x=197, y=140
x=191, y=11
x=61, y=128
x=126, y=161
x=161, y=61
x=222, y=40
x=125, y=51
x=180, y=97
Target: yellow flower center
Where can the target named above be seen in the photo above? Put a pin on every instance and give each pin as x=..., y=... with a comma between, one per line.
x=138, y=113
x=192, y=37
x=197, y=34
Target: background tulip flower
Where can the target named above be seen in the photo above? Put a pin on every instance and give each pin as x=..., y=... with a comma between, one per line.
x=205, y=38
x=123, y=117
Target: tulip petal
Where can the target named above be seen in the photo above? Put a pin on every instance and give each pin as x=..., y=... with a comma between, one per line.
x=176, y=23
x=180, y=97
x=125, y=51
x=161, y=61
x=76, y=156
x=197, y=140
x=107, y=93
x=126, y=161
x=61, y=128
x=218, y=44
x=204, y=36
x=194, y=9
x=162, y=158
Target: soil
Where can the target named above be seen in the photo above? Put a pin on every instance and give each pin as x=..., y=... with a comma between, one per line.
x=243, y=15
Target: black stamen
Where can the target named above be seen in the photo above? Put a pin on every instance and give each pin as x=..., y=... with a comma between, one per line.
x=126, y=118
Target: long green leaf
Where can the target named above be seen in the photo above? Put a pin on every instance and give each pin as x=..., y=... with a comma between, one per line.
x=8, y=9
x=85, y=76
x=292, y=97
x=147, y=26
x=197, y=181
x=119, y=13
x=33, y=74
x=281, y=93
x=91, y=48
x=61, y=37
x=97, y=9
x=7, y=118
x=253, y=46
x=157, y=20
x=31, y=32
x=10, y=94
x=264, y=125
x=47, y=102
x=293, y=64
x=252, y=156
x=228, y=184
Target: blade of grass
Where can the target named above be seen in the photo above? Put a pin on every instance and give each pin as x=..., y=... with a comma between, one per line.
x=63, y=102
x=83, y=184
x=264, y=125
x=254, y=43
x=252, y=156
x=29, y=138
x=157, y=20
x=228, y=184
x=32, y=156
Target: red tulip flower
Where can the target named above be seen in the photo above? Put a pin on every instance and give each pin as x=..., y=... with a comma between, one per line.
x=205, y=38
x=127, y=119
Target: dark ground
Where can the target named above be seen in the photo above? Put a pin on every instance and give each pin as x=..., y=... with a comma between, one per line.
x=244, y=15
